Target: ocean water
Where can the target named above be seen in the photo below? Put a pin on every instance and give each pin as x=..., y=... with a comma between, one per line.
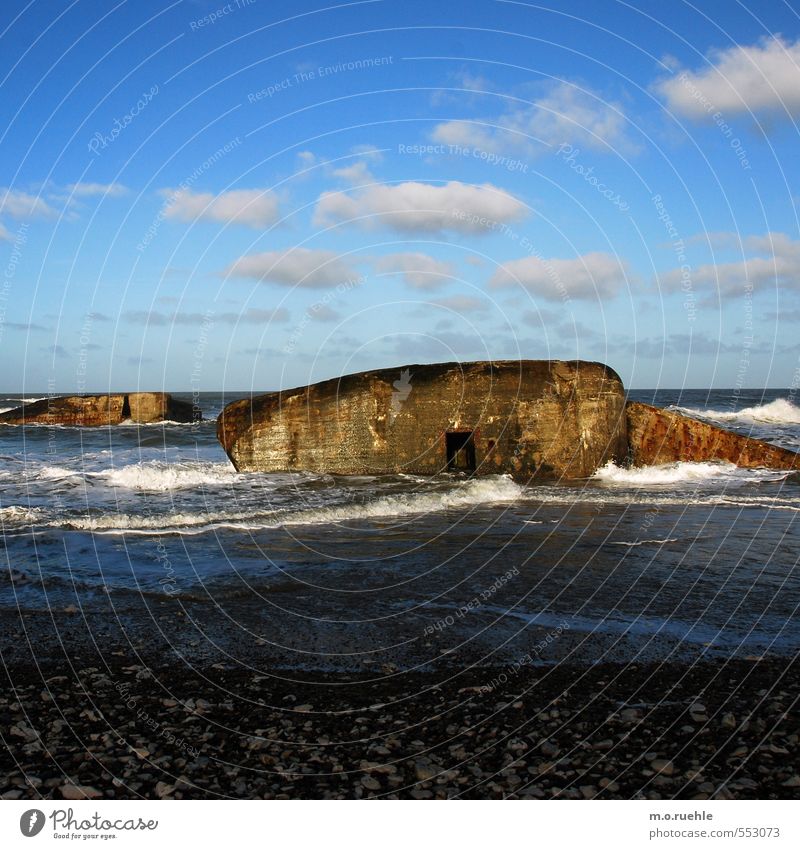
x=332, y=572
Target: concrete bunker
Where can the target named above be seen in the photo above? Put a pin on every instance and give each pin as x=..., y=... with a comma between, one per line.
x=527, y=418
x=533, y=419
x=103, y=410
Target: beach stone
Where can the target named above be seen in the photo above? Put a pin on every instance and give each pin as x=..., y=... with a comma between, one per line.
x=421, y=794
x=630, y=715
x=549, y=749
x=794, y=781
x=73, y=792
x=370, y=783
x=425, y=771
x=662, y=766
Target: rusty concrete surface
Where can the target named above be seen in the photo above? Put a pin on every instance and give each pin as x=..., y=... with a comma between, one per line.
x=659, y=436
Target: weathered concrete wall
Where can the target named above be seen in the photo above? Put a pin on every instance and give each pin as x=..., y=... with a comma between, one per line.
x=100, y=410
x=533, y=419
x=661, y=436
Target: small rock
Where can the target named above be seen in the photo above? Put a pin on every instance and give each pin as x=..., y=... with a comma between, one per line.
x=421, y=794
x=794, y=781
x=662, y=766
x=630, y=715
x=73, y=792
x=425, y=772
x=163, y=789
x=370, y=783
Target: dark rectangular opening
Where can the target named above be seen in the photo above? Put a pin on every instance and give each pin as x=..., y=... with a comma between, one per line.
x=126, y=408
x=460, y=448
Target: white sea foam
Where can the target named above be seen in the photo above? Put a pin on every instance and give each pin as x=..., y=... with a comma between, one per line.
x=169, y=422
x=16, y=516
x=781, y=411
x=488, y=490
x=156, y=476
x=52, y=473
x=671, y=474
x=648, y=542
x=496, y=489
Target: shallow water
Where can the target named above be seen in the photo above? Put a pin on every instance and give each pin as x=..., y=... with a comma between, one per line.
x=671, y=561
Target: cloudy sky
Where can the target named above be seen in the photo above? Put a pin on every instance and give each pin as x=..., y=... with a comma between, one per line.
x=261, y=194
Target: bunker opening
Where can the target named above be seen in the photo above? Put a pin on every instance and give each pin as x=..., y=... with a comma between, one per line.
x=460, y=447
x=126, y=408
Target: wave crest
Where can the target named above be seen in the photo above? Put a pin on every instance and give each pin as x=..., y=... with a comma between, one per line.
x=781, y=411
x=671, y=474
x=157, y=476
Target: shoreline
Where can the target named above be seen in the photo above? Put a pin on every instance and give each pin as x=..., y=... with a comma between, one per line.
x=119, y=728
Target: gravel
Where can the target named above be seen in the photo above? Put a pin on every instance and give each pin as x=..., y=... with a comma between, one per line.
x=125, y=729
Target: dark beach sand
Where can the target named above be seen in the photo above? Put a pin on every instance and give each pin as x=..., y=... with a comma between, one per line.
x=91, y=709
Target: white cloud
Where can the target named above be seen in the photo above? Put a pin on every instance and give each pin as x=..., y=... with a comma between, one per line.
x=252, y=207
x=248, y=316
x=5, y=236
x=23, y=205
x=566, y=113
x=763, y=77
x=91, y=189
x=310, y=269
x=419, y=270
x=368, y=150
x=356, y=173
x=462, y=303
x=422, y=207
x=777, y=267
x=593, y=275
x=323, y=313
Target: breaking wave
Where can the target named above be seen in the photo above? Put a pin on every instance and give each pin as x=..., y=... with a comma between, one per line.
x=470, y=493
x=17, y=516
x=157, y=476
x=671, y=474
x=781, y=411
x=648, y=542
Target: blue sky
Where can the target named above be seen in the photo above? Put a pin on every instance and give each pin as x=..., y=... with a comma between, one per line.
x=251, y=195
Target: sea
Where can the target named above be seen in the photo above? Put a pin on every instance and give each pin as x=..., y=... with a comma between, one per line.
x=313, y=571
